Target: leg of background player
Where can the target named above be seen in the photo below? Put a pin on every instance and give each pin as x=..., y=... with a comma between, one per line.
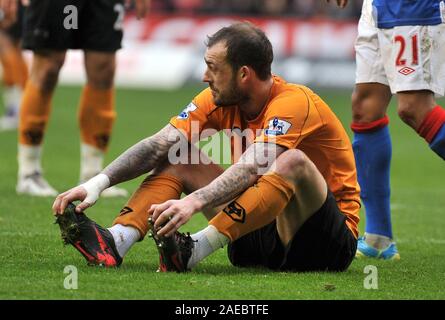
x=34, y=114
x=97, y=115
x=15, y=74
x=372, y=150
x=418, y=109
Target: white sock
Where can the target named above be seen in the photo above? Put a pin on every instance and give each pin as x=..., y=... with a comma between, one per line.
x=377, y=241
x=124, y=237
x=91, y=160
x=208, y=241
x=29, y=159
x=11, y=97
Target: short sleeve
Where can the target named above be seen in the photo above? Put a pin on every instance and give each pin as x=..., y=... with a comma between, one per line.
x=196, y=116
x=289, y=120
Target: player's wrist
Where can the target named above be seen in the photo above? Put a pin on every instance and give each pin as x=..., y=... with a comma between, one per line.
x=195, y=203
x=97, y=184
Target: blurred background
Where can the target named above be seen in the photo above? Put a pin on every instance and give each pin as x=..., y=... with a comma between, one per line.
x=313, y=41
x=280, y=8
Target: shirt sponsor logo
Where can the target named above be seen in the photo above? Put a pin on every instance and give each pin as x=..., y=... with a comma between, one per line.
x=185, y=113
x=277, y=127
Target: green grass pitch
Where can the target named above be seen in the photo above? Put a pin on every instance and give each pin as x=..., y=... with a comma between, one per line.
x=32, y=257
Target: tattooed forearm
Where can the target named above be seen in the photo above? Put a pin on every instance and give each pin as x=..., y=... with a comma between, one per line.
x=142, y=157
x=226, y=187
x=255, y=161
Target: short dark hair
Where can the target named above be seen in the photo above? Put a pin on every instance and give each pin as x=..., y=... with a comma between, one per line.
x=247, y=45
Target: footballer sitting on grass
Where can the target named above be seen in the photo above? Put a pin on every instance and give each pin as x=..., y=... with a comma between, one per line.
x=298, y=210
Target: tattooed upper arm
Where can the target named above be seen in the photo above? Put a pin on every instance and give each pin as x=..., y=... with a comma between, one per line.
x=143, y=156
x=261, y=156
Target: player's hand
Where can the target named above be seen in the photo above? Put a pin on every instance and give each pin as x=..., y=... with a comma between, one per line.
x=74, y=194
x=141, y=7
x=87, y=192
x=340, y=3
x=173, y=214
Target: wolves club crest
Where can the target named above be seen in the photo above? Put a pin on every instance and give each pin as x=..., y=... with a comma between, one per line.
x=125, y=210
x=235, y=212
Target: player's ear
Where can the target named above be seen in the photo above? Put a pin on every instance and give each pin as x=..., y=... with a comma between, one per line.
x=244, y=72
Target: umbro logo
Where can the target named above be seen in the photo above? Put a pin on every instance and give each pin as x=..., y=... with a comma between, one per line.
x=406, y=71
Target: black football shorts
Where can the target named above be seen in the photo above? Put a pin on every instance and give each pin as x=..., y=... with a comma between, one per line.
x=73, y=24
x=323, y=243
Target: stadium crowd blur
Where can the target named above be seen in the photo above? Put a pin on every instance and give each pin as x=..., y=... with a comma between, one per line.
x=282, y=8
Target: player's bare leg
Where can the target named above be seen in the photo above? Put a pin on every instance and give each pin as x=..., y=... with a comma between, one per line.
x=370, y=102
x=15, y=73
x=34, y=114
x=96, y=116
x=419, y=110
x=310, y=192
x=373, y=150
x=413, y=106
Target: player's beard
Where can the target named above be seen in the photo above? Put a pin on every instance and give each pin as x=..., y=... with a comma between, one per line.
x=231, y=97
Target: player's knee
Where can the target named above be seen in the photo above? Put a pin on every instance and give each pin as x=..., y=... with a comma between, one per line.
x=46, y=74
x=165, y=168
x=293, y=164
x=369, y=103
x=357, y=101
x=407, y=113
x=413, y=106
x=101, y=74
x=181, y=171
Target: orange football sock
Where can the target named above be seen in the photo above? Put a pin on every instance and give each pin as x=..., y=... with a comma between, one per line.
x=155, y=189
x=96, y=116
x=34, y=114
x=258, y=206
